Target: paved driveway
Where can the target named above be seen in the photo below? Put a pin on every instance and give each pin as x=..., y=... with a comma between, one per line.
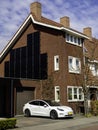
x=33, y=121
x=37, y=123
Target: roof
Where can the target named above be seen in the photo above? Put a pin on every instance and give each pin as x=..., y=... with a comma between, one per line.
x=43, y=22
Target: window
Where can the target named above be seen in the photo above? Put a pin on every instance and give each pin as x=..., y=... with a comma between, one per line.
x=57, y=93
x=77, y=64
x=80, y=94
x=36, y=103
x=74, y=39
x=74, y=64
x=69, y=93
x=42, y=103
x=94, y=69
x=75, y=93
x=71, y=38
x=56, y=62
x=67, y=37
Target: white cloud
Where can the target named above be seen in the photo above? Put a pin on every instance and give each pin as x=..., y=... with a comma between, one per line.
x=13, y=12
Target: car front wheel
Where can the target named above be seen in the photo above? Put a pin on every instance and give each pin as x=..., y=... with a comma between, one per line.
x=53, y=114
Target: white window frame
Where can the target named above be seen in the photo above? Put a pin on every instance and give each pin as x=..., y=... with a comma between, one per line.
x=56, y=62
x=74, y=40
x=75, y=95
x=72, y=64
x=57, y=93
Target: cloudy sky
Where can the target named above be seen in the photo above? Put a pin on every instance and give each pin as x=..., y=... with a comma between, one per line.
x=82, y=13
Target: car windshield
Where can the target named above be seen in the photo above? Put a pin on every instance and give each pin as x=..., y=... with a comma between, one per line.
x=52, y=103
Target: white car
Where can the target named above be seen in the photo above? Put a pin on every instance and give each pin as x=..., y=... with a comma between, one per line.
x=46, y=108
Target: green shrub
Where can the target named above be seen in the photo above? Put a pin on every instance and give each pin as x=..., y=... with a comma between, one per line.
x=94, y=107
x=88, y=115
x=7, y=123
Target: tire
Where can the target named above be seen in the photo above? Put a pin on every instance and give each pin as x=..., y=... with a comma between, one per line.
x=53, y=114
x=27, y=113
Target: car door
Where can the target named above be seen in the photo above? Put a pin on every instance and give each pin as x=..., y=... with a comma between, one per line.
x=34, y=107
x=44, y=109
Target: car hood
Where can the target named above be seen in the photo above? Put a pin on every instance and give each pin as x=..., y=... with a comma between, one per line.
x=65, y=108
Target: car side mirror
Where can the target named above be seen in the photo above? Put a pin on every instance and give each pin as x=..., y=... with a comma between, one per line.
x=45, y=105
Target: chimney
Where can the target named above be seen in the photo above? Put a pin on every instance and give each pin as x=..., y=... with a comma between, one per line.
x=65, y=21
x=35, y=8
x=88, y=31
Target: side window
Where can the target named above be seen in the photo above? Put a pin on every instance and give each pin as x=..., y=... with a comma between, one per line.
x=56, y=62
x=34, y=103
x=42, y=103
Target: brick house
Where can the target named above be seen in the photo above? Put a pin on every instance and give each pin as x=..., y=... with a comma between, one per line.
x=42, y=60
x=91, y=59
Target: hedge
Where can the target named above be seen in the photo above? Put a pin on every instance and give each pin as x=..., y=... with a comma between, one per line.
x=8, y=123
x=94, y=107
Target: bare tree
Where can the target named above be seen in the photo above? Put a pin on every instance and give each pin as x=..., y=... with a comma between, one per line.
x=47, y=87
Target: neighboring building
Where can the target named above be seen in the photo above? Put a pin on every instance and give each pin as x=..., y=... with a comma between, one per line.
x=44, y=60
x=91, y=59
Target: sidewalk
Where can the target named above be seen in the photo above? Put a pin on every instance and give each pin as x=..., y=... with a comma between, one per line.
x=94, y=127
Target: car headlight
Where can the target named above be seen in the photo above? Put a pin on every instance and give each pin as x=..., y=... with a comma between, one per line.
x=60, y=109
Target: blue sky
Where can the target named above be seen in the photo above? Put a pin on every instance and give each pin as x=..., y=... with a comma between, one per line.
x=82, y=13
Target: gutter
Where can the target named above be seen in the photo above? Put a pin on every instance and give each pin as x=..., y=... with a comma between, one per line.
x=59, y=28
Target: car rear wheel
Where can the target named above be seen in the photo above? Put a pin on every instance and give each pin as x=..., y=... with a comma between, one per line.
x=27, y=113
x=53, y=114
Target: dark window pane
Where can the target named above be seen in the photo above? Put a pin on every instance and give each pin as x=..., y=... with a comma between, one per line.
x=12, y=63
x=30, y=39
x=36, y=50
x=29, y=62
x=23, y=62
x=42, y=103
x=44, y=66
x=7, y=69
x=33, y=55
